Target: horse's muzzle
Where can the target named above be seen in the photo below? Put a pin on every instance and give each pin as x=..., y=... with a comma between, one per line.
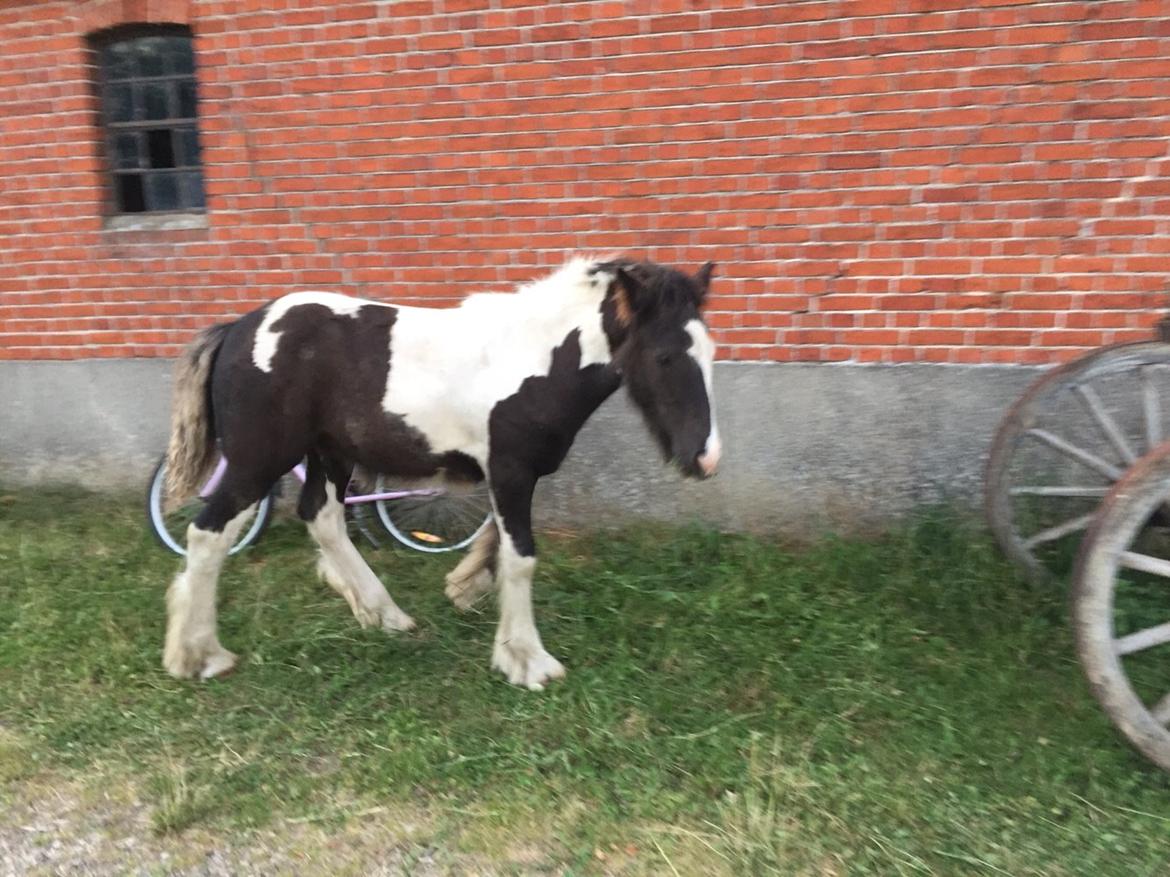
x=694, y=469
x=708, y=461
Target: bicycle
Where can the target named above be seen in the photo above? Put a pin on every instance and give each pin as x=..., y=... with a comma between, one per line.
x=428, y=519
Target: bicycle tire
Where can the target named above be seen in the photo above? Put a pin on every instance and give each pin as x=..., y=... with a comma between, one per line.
x=436, y=524
x=169, y=535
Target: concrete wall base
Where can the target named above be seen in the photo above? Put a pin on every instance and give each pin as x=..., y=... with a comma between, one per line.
x=807, y=447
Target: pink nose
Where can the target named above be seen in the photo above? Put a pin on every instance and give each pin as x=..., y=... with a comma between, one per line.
x=709, y=459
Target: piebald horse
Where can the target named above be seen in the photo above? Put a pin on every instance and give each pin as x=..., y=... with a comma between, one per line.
x=495, y=388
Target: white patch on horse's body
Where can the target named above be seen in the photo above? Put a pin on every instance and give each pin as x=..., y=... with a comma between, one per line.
x=267, y=339
x=702, y=350
x=448, y=368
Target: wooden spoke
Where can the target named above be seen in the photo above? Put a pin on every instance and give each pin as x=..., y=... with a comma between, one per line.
x=1161, y=710
x=1059, y=490
x=1063, y=529
x=1085, y=458
x=1106, y=423
x=1145, y=563
x=1151, y=408
x=1143, y=639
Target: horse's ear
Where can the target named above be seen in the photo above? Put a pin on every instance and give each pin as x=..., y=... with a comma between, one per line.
x=631, y=296
x=703, y=278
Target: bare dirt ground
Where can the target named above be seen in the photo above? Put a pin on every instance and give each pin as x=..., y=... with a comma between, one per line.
x=69, y=828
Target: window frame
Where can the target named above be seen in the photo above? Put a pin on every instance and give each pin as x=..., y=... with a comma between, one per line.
x=113, y=200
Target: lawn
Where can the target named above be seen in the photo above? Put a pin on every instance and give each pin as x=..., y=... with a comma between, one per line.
x=902, y=705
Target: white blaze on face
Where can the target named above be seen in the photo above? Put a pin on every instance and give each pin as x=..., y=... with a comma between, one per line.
x=702, y=349
x=267, y=340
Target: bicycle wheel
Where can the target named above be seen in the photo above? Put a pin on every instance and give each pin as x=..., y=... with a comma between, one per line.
x=170, y=527
x=436, y=519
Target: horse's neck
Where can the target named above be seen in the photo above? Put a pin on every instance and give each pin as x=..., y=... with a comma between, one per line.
x=548, y=347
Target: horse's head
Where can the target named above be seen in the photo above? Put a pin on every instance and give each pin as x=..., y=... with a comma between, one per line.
x=666, y=358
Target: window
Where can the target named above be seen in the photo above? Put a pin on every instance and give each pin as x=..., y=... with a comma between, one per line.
x=147, y=93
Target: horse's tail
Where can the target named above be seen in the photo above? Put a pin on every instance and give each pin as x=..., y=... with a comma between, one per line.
x=191, y=451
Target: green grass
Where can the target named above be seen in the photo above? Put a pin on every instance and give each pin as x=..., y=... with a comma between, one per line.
x=905, y=705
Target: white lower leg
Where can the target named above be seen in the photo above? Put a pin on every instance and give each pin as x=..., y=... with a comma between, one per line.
x=518, y=652
x=472, y=578
x=347, y=573
x=192, y=644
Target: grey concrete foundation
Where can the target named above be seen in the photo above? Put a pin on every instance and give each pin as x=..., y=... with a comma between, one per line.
x=807, y=447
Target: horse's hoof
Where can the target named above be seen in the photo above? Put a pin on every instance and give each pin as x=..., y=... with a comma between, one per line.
x=202, y=663
x=394, y=620
x=526, y=666
x=466, y=592
x=218, y=664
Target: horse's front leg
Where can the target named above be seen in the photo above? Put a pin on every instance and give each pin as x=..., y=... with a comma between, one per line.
x=518, y=652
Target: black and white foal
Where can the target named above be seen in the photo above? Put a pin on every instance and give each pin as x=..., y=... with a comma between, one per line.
x=497, y=387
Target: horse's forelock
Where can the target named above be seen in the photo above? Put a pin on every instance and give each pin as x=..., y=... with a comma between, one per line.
x=665, y=288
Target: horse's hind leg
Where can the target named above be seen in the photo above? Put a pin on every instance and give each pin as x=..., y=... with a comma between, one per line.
x=475, y=575
x=192, y=644
x=340, y=563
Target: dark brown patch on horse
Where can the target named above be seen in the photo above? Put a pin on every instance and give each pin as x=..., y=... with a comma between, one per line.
x=532, y=430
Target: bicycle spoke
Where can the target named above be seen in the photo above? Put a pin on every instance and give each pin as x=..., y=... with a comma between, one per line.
x=470, y=511
x=439, y=519
x=1059, y=531
x=1106, y=423
x=1145, y=563
x=1085, y=458
x=1143, y=639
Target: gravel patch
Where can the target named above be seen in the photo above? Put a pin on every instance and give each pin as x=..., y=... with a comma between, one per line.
x=66, y=829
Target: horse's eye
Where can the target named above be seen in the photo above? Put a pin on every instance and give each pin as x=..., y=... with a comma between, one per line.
x=665, y=358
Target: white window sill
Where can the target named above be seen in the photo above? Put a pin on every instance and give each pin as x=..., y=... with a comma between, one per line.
x=154, y=221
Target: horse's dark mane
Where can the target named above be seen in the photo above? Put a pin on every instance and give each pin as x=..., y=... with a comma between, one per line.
x=669, y=288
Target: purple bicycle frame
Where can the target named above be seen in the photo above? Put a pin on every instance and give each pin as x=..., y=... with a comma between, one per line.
x=299, y=471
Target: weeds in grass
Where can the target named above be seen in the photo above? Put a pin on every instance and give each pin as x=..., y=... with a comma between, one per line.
x=760, y=822
x=17, y=758
x=178, y=803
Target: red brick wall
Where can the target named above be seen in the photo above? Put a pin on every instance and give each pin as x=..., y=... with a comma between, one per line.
x=880, y=180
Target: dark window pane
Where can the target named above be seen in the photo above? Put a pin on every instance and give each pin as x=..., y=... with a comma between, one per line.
x=162, y=191
x=188, y=147
x=126, y=150
x=159, y=148
x=193, y=190
x=181, y=55
x=118, y=61
x=187, y=99
x=120, y=103
x=129, y=192
x=151, y=52
x=151, y=78
x=155, y=99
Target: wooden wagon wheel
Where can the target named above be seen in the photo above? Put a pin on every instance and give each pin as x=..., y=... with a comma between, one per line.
x=1064, y=443
x=1121, y=607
